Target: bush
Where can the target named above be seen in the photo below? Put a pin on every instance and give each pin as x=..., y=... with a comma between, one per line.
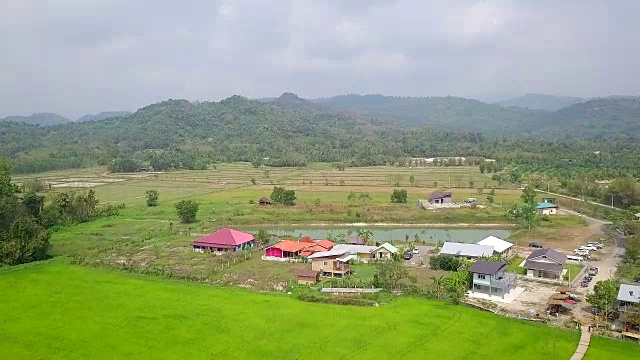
x=445, y=262
x=282, y=196
x=399, y=196
x=152, y=198
x=187, y=210
x=337, y=300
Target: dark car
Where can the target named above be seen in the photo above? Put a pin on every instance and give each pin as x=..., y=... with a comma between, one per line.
x=408, y=255
x=535, y=244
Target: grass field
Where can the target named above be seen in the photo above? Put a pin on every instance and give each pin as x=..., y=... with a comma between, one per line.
x=54, y=310
x=610, y=349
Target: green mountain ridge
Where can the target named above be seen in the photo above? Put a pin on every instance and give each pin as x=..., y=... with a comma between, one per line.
x=541, y=102
x=102, y=116
x=44, y=119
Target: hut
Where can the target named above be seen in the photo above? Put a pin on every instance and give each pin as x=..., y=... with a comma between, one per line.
x=264, y=201
x=306, y=276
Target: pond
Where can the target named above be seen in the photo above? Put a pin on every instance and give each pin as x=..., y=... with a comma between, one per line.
x=430, y=235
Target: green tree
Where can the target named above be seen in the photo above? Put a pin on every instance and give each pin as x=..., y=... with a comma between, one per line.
x=280, y=195
x=482, y=167
x=262, y=238
x=256, y=162
x=438, y=286
x=34, y=204
x=412, y=180
x=399, y=196
x=456, y=285
x=152, y=197
x=389, y=274
x=471, y=183
x=187, y=210
x=604, y=294
x=366, y=235
x=528, y=211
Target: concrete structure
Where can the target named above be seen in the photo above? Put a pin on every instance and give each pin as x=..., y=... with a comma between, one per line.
x=545, y=263
x=500, y=247
x=439, y=198
x=331, y=263
x=545, y=208
x=469, y=251
x=224, y=240
x=490, y=278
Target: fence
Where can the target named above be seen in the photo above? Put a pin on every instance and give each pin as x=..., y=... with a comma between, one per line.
x=542, y=280
x=273, y=258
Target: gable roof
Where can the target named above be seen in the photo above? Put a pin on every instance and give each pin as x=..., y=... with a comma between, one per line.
x=327, y=244
x=545, y=205
x=290, y=246
x=487, y=267
x=539, y=265
x=498, y=244
x=550, y=254
x=224, y=238
x=629, y=293
x=356, y=249
x=330, y=253
x=306, y=273
x=462, y=249
x=355, y=240
x=306, y=239
x=390, y=248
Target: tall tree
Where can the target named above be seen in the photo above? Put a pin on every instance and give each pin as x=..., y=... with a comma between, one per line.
x=528, y=211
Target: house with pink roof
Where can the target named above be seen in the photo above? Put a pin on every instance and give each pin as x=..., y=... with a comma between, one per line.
x=224, y=240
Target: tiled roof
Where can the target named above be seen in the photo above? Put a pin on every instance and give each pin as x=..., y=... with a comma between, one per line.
x=290, y=246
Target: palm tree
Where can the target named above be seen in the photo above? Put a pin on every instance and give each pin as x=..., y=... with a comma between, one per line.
x=366, y=235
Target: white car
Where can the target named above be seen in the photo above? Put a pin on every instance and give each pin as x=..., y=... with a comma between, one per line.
x=416, y=251
x=590, y=247
x=587, y=248
x=581, y=252
x=597, y=245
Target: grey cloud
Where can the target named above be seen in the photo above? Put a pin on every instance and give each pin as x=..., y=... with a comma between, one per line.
x=78, y=56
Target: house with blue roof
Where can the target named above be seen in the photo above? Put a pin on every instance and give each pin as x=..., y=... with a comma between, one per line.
x=547, y=208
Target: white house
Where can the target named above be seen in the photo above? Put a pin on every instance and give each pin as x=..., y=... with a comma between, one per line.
x=500, y=247
x=384, y=252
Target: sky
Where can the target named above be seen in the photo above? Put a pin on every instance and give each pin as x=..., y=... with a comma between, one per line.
x=75, y=57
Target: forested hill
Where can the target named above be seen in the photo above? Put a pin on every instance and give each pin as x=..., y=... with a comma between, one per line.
x=102, y=116
x=541, y=102
x=610, y=117
x=444, y=113
x=45, y=119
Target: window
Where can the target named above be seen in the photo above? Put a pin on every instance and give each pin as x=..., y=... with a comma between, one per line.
x=481, y=277
x=324, y=263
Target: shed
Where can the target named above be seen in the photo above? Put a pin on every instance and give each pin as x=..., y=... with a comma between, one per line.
x=355, y=240
x=444, y=197
x=500, y=246
x=545, y=208
x=306, y=276
x=384, y=251
x=264, y=201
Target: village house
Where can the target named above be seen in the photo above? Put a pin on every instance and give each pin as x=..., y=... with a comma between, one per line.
x=384, y=252
x=490, y=278
x=362, y=253
x=628, y=297
x=264, y=201
x=545, y=263
x=333, y=263
x=469, y=251
x=500, y=247
x=289, y=249
x=224, y=240
x=545, y=208
x=306, y=276
x=439, y=198
x=355, y=240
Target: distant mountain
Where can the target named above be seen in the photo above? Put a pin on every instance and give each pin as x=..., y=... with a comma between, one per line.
x=541, y=102
x=45, y=119
x=102, y=116
x=443, y=113
x=610, y=117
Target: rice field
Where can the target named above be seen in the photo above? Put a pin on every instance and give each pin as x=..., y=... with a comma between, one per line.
x=54, y=310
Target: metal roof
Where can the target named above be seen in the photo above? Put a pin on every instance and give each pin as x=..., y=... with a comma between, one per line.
x=549, y=254
x=462, y=249
x=629, y=293
x=224, y=238
x=358, y=249
x=545, y=205
x=539, y=265
x=390, y=248
x=487, y=267
x=498, y=244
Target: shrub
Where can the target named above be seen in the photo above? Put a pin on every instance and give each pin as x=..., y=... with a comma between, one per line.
x=152, y=198
x=282, y=196
x=444, y=262
x=399, y=196
x=187, y=210
x=337, y=300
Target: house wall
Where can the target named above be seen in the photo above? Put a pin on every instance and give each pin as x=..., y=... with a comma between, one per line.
x=550, y=211
x=364, y=257
x=306, y=281
x=382, y=254
x=477, y=280
x=322, y=264
x=272, y=251
x=447, y=200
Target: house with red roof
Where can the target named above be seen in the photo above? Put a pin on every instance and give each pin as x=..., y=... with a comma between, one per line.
x=224, y=240
x=289, y=249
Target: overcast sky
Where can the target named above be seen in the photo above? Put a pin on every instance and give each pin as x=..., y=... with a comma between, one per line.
x=84, y=56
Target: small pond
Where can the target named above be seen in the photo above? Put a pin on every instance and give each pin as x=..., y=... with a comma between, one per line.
x=430, y=235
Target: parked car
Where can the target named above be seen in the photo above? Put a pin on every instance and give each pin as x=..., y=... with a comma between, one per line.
x=580, y=252
x=593, y=271
x=408, y=255
x=416, y=251
x=590, y=247
x=595, y=244
x=535, y=244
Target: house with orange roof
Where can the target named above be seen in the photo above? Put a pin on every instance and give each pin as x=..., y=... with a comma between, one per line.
x=288, y=249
